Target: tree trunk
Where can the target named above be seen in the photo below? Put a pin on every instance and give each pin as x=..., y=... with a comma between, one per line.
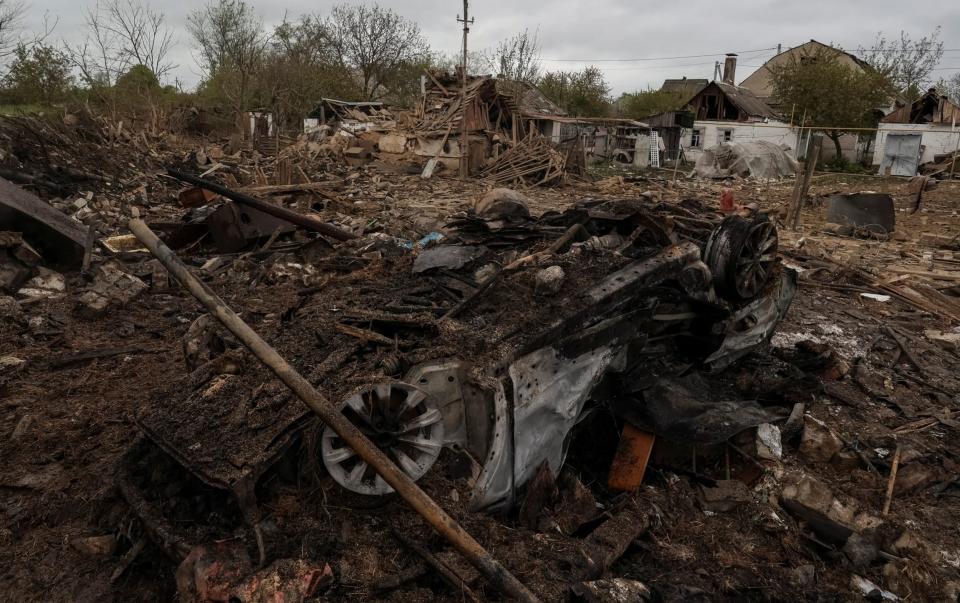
x=835, y=137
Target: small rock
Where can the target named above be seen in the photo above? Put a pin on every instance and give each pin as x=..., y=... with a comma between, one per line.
x=812, y=501
x=768, y=442
x=95, y=545
x=861, y=550
x=908, y=545
x=10, y=309
x=726, y=496
x=10, y=364
x=804, y=575
x=843, y=230
x=549, y=281
x=112, y=287
x=846, y=460
x=49, y=478
x=613, y=590
x=794, y=425
x=947, y=340
x=503, y=203
x=23, y=425
x=818, y=443
x=913, y=477
x=46, y=284
x=485, y=272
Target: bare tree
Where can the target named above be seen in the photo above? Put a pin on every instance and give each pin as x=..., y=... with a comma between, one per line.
x=950, y=87
x=377, y=44
x=99, y=58
x=908, y=63
x=232, y=42
x=518, y=58
x=141, y=33
x=11, y=19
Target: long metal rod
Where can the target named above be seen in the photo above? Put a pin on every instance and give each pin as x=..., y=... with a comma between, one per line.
x=495, y=573
x=268, y=208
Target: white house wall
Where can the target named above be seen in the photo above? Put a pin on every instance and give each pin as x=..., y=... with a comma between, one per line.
x=773, y=131
x=935, y=139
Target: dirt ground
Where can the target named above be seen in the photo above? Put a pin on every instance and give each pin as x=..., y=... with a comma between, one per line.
x=63, y=430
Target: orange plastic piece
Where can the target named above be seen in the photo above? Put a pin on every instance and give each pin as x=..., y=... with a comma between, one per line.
x=727, y=201
x=630, y=461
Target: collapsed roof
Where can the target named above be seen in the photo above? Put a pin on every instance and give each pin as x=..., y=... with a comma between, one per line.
x=931, y=108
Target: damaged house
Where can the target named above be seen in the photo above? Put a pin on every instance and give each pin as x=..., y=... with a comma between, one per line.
x=351, y=116
x=760, y=83
x=513, y=133
x=725, y=112
x=917, y=133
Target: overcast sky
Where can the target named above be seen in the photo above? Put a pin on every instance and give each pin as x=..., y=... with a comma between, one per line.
x=605, y=32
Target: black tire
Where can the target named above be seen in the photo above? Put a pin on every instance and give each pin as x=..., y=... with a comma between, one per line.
x=741, y=254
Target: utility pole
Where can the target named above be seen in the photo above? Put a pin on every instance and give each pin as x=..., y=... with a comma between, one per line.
x=464, y=153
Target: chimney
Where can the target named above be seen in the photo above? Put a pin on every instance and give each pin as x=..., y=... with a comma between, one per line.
x=730, y=69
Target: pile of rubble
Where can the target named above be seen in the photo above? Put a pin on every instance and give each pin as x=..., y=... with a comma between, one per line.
x=625, y=398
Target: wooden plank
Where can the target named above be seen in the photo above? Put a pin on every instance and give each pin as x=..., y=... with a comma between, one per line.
x=60, y=239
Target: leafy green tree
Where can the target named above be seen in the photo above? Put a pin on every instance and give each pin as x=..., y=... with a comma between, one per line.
x=300, y=68
x=584, y=93
x=138, y=79
x=38, y=74
x=831, y=96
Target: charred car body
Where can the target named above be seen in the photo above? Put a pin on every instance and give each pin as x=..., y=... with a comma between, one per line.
x=643, y=296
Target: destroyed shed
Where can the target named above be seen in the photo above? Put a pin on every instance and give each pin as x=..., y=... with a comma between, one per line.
x=505, y=131
x=925, y=131
x=353, y=117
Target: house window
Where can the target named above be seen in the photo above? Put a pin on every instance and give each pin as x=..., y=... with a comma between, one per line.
x=695, y=141
x=725, y=135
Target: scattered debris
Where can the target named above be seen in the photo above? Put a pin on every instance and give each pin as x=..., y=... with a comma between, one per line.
x=580, y=374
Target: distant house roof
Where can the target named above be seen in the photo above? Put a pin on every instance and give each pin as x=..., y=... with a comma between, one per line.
x=746, y=101
x=743, y=100
x=688, y=87
x=931, y=108
x=760, y=82
x=863, y=64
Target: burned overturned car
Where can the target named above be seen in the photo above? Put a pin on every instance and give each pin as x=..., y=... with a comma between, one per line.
x=490, y=352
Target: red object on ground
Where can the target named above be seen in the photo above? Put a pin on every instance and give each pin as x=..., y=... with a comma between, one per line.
x=727, y=201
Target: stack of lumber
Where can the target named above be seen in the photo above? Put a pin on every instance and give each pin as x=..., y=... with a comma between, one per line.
x=530, y=162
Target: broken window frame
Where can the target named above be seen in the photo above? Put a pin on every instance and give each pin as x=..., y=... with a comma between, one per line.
x=724, y=134
x=696, y=138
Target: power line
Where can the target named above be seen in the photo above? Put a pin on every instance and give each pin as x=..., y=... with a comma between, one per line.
x=689, y=56
x=716, y=54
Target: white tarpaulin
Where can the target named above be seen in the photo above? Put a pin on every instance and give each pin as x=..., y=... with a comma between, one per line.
x=760, y=159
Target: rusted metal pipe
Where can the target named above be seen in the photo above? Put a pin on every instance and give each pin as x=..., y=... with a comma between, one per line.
x=495, y=573
x=268, y=208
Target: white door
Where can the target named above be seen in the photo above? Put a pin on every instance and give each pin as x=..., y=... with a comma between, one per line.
x=901, y=154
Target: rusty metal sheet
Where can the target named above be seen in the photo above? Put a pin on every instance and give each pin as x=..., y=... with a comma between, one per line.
x=233, y=227
x=873, y=211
